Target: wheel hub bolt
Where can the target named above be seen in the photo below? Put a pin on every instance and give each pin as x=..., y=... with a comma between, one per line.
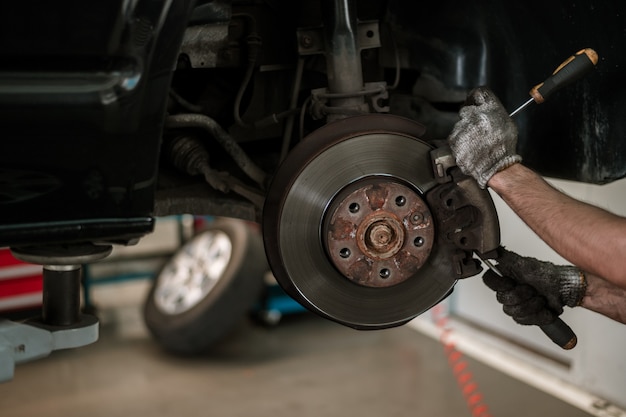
x=417, y=218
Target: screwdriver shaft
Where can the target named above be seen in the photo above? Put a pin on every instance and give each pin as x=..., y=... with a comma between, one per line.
x=522, y=107
x=487, y=261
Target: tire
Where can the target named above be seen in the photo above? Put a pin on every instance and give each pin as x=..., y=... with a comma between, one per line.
x=188, y=319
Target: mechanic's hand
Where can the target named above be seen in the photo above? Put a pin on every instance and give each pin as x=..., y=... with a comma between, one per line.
x=533, y=291
x=483, y=142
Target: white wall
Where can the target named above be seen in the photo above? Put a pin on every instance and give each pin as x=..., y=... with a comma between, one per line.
x=598, y=363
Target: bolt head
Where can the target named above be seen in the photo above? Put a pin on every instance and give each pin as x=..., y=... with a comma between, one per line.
x=417, y=218
x=306, y=41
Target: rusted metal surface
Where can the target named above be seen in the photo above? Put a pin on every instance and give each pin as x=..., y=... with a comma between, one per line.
x=380, y=233
x=466, y=220
x=315, y=177
x=466, y=214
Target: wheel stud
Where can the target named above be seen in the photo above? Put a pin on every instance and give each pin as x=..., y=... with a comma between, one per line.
x=384, y=273
x=344, y=253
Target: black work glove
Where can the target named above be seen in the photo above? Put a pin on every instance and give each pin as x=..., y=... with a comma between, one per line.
x=483, y=142
x=534, y=292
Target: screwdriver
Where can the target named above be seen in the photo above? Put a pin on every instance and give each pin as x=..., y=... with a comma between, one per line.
x=572, y=69
x=558, y=331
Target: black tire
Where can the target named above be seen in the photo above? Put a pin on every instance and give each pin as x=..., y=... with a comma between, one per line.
x=194, y=328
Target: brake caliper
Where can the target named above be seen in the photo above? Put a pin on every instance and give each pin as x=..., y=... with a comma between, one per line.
x=465, y=215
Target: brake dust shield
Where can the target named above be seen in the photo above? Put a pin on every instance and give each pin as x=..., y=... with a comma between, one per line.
x=350, y=233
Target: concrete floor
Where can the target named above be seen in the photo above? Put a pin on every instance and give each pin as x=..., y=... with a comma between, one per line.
x=306, y=366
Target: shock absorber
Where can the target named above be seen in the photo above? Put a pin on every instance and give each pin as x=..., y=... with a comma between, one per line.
x=341, y=40
x=343, y=58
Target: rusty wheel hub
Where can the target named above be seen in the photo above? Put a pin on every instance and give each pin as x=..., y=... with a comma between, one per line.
x=380, y=233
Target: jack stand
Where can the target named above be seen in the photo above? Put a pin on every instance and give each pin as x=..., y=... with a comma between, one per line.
x=61, y=325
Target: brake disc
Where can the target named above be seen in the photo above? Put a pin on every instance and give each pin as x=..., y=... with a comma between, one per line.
x=349, y=231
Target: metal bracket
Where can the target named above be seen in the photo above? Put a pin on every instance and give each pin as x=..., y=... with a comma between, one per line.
x=442, y=161
x=311, y=40
x=374, y=91
x=376, y=98
x=205, y=45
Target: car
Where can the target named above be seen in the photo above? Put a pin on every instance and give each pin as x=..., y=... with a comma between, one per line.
x=322, y=120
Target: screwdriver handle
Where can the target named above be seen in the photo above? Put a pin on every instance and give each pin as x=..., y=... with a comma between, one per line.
x=572, y=69
x=560, y=333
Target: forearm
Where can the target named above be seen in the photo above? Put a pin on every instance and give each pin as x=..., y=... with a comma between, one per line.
x=605, y=298
x=589, y=237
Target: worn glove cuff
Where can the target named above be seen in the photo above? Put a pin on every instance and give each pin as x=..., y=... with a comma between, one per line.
x=504, y=163
x=573, y=285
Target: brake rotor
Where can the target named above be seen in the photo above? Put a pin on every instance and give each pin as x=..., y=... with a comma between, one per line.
x=347, y=228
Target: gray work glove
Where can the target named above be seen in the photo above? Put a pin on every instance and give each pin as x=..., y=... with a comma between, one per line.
x=483, y=142
x=533, y=291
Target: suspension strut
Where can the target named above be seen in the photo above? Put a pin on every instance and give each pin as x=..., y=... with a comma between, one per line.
x=343, y=58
